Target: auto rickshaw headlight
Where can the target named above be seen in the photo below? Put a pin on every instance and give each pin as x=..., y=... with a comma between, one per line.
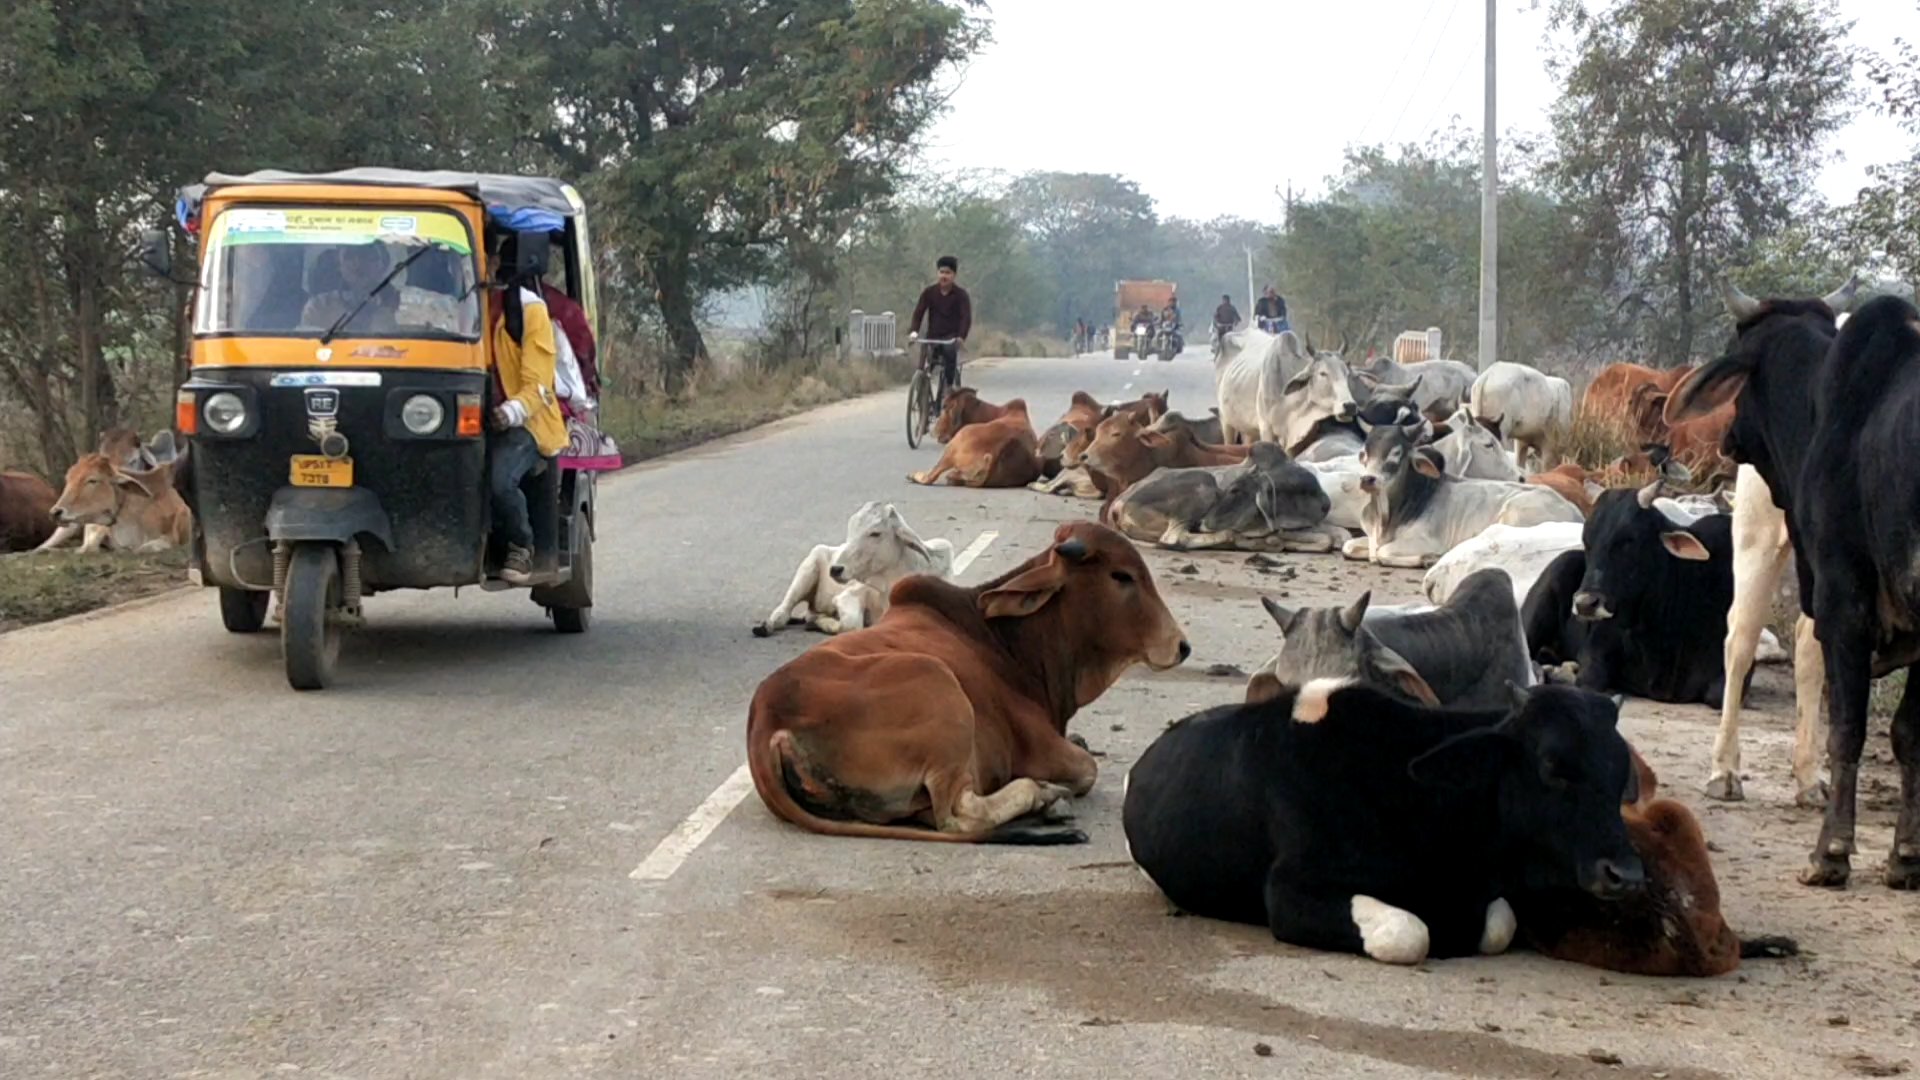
x=423, y=414
x=225, y=412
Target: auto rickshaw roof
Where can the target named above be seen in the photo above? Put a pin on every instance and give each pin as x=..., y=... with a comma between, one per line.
x=515, y=202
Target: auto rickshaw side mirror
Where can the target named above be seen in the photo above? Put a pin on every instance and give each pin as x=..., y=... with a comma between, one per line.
x=532, y=250
x=156, y=253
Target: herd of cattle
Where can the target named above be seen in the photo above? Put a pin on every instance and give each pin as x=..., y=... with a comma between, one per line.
x=1429, y=780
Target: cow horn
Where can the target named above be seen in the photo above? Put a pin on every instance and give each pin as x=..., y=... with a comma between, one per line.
x=1839, y=298
x=1072, y=550
x=1345, y=343
x=1353, y=613
x=1741, y=306
x=1306, y=341
x=1365, y=428
x=1646, y=495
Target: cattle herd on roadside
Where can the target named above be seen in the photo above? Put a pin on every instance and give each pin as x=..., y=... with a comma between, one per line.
x=1425, y=780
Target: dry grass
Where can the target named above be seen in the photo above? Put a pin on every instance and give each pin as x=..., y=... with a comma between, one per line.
x=647, y=427
x=39, y=588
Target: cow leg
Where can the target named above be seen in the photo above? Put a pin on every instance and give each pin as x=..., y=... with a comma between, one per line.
x=1300, y=916
x=154, y=545
x=1903, y=862
x=1810, y=709
x=849, y=612
x=1385, y=555
x=1359, y=549
x=1308, y=540
x=970, y=812
x=1065, y=763
x=96, y=538
x=1849, y=659
x=806, y=581
x=61, y=534
x=929, y=476
x=1756, y=576
x=975, y=477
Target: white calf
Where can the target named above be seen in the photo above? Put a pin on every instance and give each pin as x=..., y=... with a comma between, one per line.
x=846, y=586
x=1761, y=550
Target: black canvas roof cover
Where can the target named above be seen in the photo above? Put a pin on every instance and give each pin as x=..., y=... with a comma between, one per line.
x=502, y=194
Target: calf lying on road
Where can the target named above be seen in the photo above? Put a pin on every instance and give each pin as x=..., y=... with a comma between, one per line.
x=1463, y=654
x=997, y=453
x=1266, y=502
x=1643, y=609
x=1064, y=448
x=947, y=719
x=845, y=586
x=1344, y=818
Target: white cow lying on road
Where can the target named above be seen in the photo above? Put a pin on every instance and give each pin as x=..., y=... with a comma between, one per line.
x=1470, y=451
x=846, y=586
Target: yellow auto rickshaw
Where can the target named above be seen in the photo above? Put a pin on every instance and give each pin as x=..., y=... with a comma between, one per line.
x=338, y=425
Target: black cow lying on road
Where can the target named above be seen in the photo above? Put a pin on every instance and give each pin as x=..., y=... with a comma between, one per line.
x=1643, y=609
x=1344, y=818
x=1463, y=653
x=1830, y=423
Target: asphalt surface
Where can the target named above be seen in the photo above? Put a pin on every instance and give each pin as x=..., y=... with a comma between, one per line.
x=429, y=870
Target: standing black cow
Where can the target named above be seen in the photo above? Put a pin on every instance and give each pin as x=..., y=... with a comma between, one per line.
x=1830, y=423
x=1342, y=817
x=1643, y=609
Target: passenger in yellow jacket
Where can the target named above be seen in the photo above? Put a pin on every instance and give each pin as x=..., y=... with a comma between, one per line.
x=527, y=424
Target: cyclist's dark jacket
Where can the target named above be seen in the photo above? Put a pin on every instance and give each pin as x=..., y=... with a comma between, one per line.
x=1225, y=315
x=948, y=315
x=1270, y=307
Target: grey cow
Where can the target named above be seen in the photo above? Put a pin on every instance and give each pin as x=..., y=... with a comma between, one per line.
x=1442, y=385
x=1267, y=502
x=1461, y=655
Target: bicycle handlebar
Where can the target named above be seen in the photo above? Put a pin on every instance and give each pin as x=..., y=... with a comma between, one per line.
x=934, y=341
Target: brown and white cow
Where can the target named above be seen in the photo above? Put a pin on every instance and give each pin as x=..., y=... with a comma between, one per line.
x=961, y=408
x=134, y=511
x=26, y=511
x=1001, y=452
x=947, y=719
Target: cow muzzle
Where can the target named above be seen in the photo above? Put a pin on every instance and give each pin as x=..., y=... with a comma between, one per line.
x=837, y=573
x=1369, y=483
x=1614, y=879
x=1590, y=606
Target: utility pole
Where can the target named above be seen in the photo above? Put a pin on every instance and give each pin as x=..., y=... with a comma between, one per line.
x=1249, y=251
x=1489, y=218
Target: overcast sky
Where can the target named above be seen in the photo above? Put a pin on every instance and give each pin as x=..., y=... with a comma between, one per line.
x=1284, y=85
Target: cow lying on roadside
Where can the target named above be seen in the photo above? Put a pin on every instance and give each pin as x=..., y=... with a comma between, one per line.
x=1264, y=503
x=947, y=719
x=26, y=511
x=1643, y=608
x=1201, y=431
x=845, y=586
x=1068, y=441
x=997, y=453
x=1418, y=512
x=962, y=407
x=1462, y=654
x=122, y=508
x=1126, y=452
x=1343, y=818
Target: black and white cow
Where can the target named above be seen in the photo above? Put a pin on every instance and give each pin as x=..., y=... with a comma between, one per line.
x=1267, y=502
x=1342, y=817
x=1829, y=419
x=1462, y=654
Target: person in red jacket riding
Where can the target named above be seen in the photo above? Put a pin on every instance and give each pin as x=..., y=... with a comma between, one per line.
x=949, y=314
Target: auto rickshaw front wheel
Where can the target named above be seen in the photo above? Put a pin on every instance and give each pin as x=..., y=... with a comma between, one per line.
x=243, y=611
x=309, y=631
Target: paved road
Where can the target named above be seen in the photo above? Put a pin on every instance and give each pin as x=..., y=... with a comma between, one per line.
x=428, y=870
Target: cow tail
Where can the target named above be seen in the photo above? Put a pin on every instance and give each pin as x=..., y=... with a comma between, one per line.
x=768, y=761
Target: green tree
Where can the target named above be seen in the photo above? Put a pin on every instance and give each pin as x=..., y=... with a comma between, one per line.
x=1687, y=131
x=1886, y=220
x=713, y=127
x=1088, y=231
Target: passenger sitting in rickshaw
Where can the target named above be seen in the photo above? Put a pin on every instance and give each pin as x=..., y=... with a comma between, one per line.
x=527, y=424
x=577, y=380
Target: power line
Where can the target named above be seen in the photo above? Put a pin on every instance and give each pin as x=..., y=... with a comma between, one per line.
x=1466, y=61
x=1439, y=39
x=1412, y=40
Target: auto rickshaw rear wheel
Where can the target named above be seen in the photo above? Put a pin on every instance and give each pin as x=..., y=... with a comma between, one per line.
x=309, y=634
x=243, y=611
x=578, y=592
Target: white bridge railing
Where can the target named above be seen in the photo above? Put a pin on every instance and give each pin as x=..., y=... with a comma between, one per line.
x=872, y=335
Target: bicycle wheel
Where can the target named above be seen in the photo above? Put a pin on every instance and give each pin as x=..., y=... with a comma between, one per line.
x=917, y=401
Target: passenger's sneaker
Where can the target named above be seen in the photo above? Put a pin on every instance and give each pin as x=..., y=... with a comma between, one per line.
x=518, y=567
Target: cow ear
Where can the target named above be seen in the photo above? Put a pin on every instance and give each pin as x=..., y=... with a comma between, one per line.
x=1684, y=545
x=1371, y=380
x=1264, y=686
x=1027, y=593
x=1641, y=781
x=1429, y=462
x=1298, y=382
x=1470, y=761
x=1594, y=491
x=1282, y=617
x=1393, y=669
x=1267, y=501
x=1155, y=439
x=1707, y=388
x=129, y=480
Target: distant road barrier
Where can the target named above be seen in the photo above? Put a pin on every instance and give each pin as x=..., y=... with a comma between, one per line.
x=872, y=335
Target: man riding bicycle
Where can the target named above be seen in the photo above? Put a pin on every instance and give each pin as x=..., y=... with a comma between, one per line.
x=949, y=314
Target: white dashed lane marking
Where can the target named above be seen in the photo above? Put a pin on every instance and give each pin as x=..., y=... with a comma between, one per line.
x=671, y=853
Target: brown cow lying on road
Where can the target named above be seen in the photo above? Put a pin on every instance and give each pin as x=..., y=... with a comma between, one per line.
x=961, y=408
x=1073, y=477
x=1126, y=451
x=1609, y=397
x=947, y=719
x=136, y=511
x=26, y=511
x=1696, y=443
x=998, y=453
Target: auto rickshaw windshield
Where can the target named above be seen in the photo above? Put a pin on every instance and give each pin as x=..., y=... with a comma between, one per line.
x=295, y=272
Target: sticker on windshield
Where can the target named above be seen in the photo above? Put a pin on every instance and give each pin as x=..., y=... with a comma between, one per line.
x=256, y=225
x=402, y=225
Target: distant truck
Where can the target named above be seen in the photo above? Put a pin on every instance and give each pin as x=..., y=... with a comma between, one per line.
x=1127, y=298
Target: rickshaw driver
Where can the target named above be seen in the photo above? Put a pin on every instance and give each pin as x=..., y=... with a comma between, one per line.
x=361, y=268
x=527, y=422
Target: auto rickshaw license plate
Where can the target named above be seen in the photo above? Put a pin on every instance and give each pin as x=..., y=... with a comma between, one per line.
x=318, y=470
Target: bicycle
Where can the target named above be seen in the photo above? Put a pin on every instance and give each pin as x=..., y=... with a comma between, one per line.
x=923, y=406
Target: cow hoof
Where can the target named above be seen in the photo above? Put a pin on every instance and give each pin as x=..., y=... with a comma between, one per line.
x=762, y=630
x=1725, y=787
x=1827, y=871
x=1902, y=873
x=1080, y=741
x=1812, y=798
x=1500, y=928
